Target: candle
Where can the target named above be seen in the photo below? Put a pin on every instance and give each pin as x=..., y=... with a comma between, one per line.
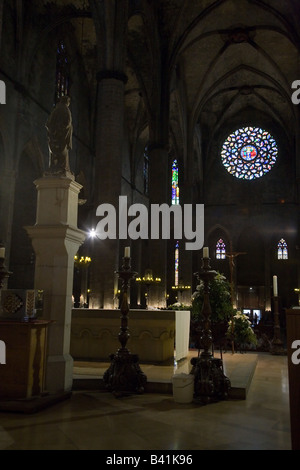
x=127, y=252
x=2, y=252
x=205, y=252
x=275, y=289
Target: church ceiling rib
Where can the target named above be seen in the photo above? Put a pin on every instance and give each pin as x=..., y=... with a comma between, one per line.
x=211, y=36
x=214, y=90
x=198, y=79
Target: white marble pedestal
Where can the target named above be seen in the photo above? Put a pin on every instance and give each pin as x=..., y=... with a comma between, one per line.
x=56, y=239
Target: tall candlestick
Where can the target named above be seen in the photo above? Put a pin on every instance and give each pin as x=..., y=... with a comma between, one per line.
x=2, y=252
x=205, y=252
x=275, y=288
x=127, y=252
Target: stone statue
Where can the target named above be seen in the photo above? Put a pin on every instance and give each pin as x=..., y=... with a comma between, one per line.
x=60, y=130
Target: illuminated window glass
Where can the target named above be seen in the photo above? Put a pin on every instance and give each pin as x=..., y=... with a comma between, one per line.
x=175, y=187
x=175, y=201
x=177, y=264
x=220, y=250
x=62, y=72
x=282, y=250
x=146, y=173
x=249, y=153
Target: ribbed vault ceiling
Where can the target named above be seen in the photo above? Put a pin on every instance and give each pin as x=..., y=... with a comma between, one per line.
x=219, y=58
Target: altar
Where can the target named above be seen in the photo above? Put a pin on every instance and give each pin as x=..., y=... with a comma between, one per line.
x=157, y=336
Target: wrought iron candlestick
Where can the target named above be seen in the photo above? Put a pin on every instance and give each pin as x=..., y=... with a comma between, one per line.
x=124, y=376
x=276, y=343
x=149, y=281
x=181, y=287
x=211, y=384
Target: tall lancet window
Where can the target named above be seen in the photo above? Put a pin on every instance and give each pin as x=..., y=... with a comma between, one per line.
x=146, y=172
x=282, y=250
x=176, y=264
x=175, y=201
x=175, y=187
x=220, y=249
x=62, y=87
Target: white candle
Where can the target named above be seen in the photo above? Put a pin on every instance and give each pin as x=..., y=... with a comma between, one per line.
x=2, y=252
x=205, y=252
x=275, y=289
x=127, y=252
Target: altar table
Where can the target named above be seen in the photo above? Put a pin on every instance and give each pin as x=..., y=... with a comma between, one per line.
x=157, y=336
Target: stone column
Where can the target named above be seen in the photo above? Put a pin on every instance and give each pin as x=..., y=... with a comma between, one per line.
x=1, y=21
x=110, y=19
x=108, y=189
x=56, y=239
x=7, y=191
x=297, y=158
x=186, y=256
x=158, y=194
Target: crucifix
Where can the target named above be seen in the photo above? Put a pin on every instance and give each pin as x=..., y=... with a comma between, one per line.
x=231, y=257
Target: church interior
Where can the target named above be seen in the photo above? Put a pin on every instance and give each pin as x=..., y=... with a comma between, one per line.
x=170, y=102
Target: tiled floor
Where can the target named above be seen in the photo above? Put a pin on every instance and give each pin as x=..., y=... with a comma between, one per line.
x=96, y=420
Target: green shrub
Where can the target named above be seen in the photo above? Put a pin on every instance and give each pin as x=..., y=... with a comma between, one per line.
x=220, y=300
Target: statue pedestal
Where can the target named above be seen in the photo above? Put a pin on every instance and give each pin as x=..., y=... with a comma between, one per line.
x=56, y=239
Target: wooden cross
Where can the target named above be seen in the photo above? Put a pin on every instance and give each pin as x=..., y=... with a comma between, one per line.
x=231, y=256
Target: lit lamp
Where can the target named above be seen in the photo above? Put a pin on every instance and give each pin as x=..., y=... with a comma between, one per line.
x=297, y=290
x=83, y=261
x=181, y=287
x=148, y=280
x=81, y=280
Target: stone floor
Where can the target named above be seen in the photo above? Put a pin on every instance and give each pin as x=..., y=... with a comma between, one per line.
x=238, y=367
x=95, y=420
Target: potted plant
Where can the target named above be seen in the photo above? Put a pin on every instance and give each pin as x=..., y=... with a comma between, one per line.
x=222, y=310
x=240, y=331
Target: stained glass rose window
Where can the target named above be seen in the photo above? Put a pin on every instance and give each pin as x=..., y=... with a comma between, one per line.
x=249, y=153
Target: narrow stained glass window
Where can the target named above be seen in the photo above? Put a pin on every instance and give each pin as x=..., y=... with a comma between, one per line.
x=175, y=201
x=175, y=187
x=177, y=264
x=146, y=173
x=249, y=153
x=62, y=72
x=220, y=250
x=282, y=250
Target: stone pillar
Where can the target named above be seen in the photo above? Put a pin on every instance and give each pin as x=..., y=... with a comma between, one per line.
x=158, y=194
x=7, y=191
x=110, y=19
x=108, y=189
x=56, y=239
x=186, y=256
x=1, y=21
x=297, y=159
